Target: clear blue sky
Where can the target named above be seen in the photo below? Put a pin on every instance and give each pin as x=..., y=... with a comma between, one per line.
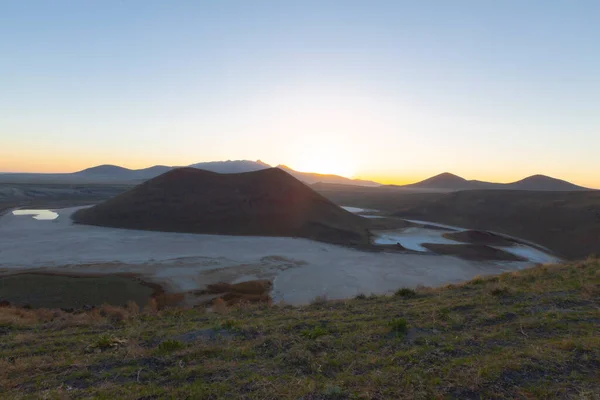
x=390, y=90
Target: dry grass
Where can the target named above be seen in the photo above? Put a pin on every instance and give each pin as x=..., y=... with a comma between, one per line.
x=256, y=291
x=164, y=300
x=220, y=306
x=530, y=334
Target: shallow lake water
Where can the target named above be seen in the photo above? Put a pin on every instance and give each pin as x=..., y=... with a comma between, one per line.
x=412, y=238
x=42, y=215
x=530, y=253
x=357, y=210
x=300, y=269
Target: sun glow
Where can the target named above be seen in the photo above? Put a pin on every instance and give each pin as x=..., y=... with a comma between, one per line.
x=325, y=161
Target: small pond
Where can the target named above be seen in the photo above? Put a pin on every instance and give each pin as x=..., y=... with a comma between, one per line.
x=42, y=215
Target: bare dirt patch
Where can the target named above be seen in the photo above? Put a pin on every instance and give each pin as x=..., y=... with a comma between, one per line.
x=257, y=291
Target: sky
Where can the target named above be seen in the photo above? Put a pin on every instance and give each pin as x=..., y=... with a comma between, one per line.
x=393, y=91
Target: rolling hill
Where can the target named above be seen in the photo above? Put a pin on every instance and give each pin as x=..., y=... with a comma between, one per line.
x=542, y=182
x=116, y=173
x=566, y=222
x=450, y=182
x=268, y=202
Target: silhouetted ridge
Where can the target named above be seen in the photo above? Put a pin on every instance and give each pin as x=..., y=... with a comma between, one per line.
x=268, y=202
x=451, y=182
x=445, y=180
x=543, y=182
x=104, y=169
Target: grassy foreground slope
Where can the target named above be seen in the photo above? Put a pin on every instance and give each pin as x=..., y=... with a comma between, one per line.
x=531, y=334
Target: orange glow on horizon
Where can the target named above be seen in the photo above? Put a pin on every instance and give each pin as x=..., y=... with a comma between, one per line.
x=321, y=163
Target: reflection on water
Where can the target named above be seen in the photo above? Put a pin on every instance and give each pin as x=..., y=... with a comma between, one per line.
x=531, y=254
x=412, y=238
x=453, y=228
x=356, y=210
x=44, y=215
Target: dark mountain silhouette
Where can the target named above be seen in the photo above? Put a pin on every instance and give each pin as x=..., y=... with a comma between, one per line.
x=445, y=180
x=448, y=182
x=269, y=202
x=543, y=182
x=117, y=173
x=105, y=169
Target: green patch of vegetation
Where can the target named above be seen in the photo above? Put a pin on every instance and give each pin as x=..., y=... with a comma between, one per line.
x=399, y=326
x=313, y=333
x=103, y=342
x=169, y=346
x=333, y=392
x=538, y=339
x=230, y=325
x=443, y=314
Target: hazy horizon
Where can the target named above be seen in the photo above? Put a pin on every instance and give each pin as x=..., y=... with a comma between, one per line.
x=389, y=91
x=396, y=181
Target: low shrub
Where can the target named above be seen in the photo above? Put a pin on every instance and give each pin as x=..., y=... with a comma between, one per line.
x=406, y=292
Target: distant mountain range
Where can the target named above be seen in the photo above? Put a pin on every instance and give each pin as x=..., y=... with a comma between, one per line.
x=116, y=174
x=445, y=182
x=450, y=182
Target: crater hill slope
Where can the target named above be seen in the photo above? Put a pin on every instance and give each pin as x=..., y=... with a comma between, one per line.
x=531, y=334
x=269, y=202
x=565, y=222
